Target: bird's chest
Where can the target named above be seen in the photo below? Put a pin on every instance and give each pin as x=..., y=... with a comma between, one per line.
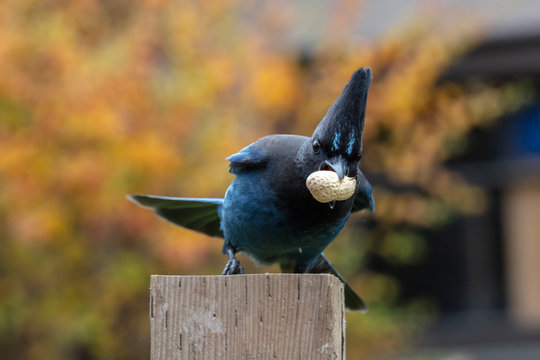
x=269, y=221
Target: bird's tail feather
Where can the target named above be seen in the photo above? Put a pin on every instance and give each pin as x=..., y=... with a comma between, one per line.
x=353, y=302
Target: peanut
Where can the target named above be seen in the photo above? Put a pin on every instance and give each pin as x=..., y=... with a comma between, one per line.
x=325, y=186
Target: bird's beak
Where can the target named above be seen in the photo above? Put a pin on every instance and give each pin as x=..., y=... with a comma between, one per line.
x=335, y=164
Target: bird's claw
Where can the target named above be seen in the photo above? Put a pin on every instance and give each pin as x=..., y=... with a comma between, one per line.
x=233, y=267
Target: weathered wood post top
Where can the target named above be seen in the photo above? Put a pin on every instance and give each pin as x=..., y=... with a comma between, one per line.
x=270, y=316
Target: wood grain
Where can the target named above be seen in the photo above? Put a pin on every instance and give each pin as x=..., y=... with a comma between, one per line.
x=272, y=316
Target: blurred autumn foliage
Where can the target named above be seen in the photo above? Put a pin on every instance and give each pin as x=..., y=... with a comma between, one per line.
x=99, y=99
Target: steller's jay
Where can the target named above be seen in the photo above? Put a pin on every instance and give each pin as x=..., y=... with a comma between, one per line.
x=268, y=211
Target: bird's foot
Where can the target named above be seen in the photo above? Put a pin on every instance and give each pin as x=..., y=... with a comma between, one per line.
x=233, y=265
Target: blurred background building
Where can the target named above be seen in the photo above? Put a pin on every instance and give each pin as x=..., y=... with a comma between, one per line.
x=484, y=269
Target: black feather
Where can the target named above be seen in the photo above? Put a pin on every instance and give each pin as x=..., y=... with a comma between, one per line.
x=201, y=215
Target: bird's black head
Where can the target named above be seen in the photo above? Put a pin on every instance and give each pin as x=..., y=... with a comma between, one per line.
x=336, y=143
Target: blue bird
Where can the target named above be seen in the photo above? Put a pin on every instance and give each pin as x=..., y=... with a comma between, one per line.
x=268, y=212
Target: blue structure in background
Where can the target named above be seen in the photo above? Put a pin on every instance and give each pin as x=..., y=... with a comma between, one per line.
x=521, y=135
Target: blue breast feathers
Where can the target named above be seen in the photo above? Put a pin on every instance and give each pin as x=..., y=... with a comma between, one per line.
x=253, y=223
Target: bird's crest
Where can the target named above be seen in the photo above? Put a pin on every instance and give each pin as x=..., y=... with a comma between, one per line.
x=340, y=131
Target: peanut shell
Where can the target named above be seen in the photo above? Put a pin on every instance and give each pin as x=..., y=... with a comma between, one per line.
x=325, y=186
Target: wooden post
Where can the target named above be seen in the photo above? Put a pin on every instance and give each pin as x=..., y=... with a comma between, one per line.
x=271, y=316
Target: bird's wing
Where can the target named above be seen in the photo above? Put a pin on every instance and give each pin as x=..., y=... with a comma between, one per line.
x=362, y=202
x=364, y=195
x=250, y=157
x=201, y=215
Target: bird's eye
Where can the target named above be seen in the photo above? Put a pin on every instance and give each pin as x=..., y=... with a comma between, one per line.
x=316, y=146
